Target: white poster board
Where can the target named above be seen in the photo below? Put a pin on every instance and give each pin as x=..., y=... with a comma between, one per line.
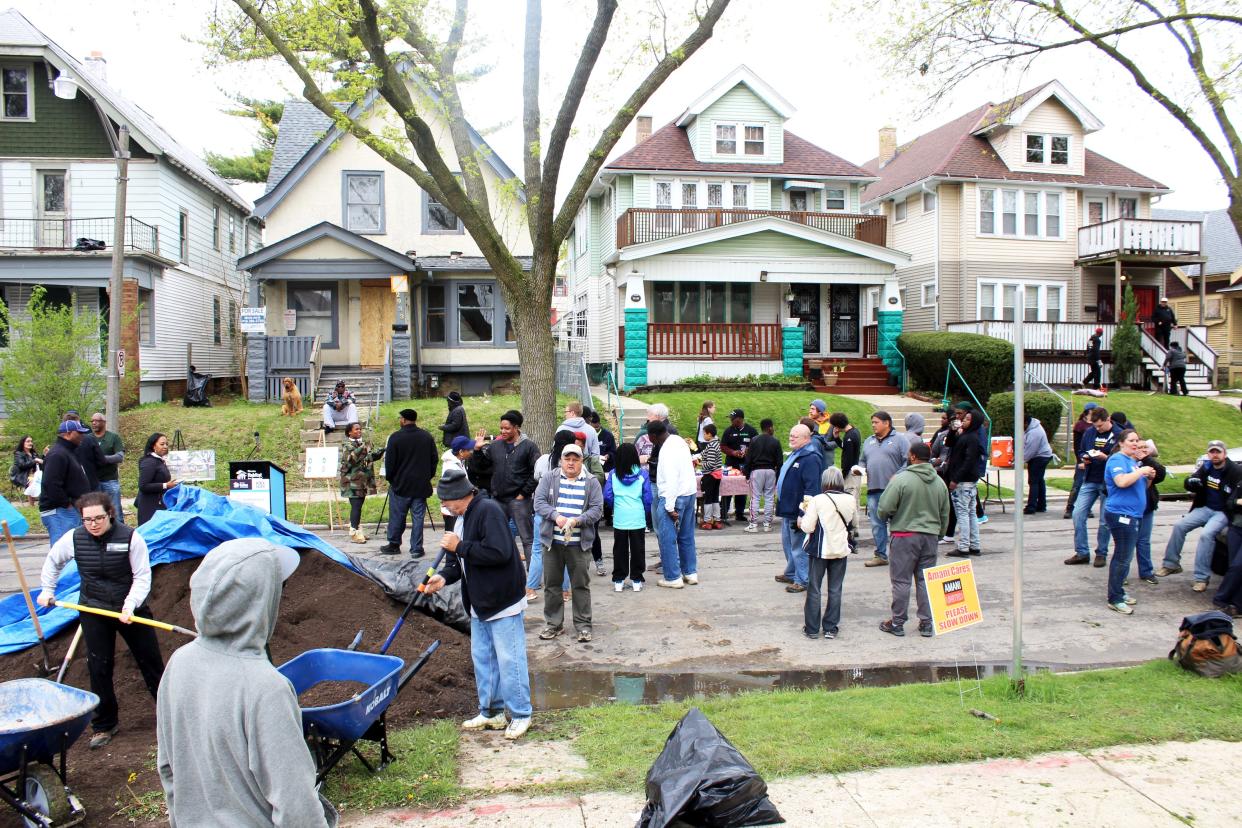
x=322, y=462
x=191, y=466
x=291, y=320
x=253, y=320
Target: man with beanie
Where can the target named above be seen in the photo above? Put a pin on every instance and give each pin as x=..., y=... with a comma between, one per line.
x=916, y=506
x=1214, y=484
x=510, y=460
x=64, y=481
x=410, y=466
x=228, y=726
x=455, y=424
x=493, y=590
x=340, y=410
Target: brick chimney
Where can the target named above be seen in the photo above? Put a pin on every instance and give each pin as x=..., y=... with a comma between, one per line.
x=97, y=66
x=642, y=128
x=888, y=144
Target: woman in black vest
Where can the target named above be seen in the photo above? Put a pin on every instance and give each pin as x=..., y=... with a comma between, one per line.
x=154, y=478
x=115, y=569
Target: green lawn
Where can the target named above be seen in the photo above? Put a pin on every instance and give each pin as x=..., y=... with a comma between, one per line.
x=1181, y=426
x=1170, y=485
x=784, y=407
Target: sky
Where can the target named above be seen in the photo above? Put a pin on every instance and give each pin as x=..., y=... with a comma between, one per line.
x=816, y=53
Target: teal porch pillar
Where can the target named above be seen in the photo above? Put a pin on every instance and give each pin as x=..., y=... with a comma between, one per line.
x=635, y=348
x=792, y=339
x=889, y=328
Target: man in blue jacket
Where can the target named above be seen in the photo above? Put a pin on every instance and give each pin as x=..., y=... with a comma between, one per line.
x=798, y=480
x=1098, y=442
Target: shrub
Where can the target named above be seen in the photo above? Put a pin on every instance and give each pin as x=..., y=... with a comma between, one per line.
x=1041, y=405
x=985, y=361
x=1126, y=348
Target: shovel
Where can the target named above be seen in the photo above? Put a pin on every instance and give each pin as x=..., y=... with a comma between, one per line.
x=422, y=588
x=73, y=648
x=137, y=619
x=46, y=667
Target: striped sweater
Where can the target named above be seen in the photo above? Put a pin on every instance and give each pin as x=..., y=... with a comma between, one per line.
x=710, y=458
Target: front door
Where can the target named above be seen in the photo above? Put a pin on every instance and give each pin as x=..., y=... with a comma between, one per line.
x=379, y=310
x=844, y=319
x=805, y=307
x=1097, y=211
x=53, y=211
x=1147, y=296
x=798, y=200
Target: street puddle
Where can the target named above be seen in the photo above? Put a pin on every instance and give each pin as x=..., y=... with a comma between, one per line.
x=560, y=689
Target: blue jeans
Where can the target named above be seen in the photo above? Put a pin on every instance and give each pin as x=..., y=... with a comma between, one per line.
x=1125, y=531
x=1213, y=523
x=677, y=553
x=1037, y=496
x=796, y=563
x=113, y=488
x=498, y=649
x=1087, y=495
x=879, y=528
x=59, y=522
x=821, y=569
x=963, y=501
x=1143, y=549
x=534, y=568
x=417, y=509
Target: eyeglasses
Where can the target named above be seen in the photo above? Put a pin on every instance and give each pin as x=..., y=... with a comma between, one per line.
x=94, y=518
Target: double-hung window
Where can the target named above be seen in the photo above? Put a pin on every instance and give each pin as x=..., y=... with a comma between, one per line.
x=1023, y=213
x=1127, y=207
x=899, y=210
x=741, y=196
x=929, y=202
x=726, y=139
x=1001, y=299
x=437, y=331
x=664, y=194
x=698, y=302
x=18, y=93
x=363, y=201
x=715, y=195
x=834, y=199
x=689, y=195
x=1047, y=149
x=438, y=219
x=754, y=143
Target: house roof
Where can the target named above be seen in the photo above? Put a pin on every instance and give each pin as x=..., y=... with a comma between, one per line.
x=325, y=229
x=955, y=151
x=668, y=148
x=1013, y=112
x=747, y=78
x=312, y=139
x=17, y=31
x=1220, y=241
x=463, y=263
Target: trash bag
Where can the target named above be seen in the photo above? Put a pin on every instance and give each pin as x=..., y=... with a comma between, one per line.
x=400, y=579
x=701, y=779
x=196, y=391
x=85, y=245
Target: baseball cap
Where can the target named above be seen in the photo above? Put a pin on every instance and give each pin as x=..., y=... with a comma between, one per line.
x=1219, y=445
x=1090, y=406
x=571, y=448
x=461, y=443
x=72, y=425
x=580, y=435
x=737, y=412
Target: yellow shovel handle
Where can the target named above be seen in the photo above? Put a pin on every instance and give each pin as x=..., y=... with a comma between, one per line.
x=137, y=619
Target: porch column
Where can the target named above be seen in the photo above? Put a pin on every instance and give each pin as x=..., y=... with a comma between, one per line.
x=793, y=343
x=1117, y=291
x=256, y=367
x=889, y=324
x=635, y=332
x=400, y=367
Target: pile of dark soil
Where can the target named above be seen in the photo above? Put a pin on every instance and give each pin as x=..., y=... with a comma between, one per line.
x=323, y=605
x=327, y=693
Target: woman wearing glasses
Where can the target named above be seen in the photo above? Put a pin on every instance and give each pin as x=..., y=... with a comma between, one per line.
x=115, y=569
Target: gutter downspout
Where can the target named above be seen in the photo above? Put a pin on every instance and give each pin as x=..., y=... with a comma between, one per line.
x=417, y=329
x=936, y=264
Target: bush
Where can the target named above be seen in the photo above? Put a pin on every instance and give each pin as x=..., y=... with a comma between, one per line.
x=985, y=361
x=1041, y=405
x=1126, y=348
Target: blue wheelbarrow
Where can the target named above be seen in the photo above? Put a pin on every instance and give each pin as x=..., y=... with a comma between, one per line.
x=39, y=721
x=333, y=731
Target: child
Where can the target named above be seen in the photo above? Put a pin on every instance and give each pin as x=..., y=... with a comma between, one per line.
x=711, y=463
x=628, y=491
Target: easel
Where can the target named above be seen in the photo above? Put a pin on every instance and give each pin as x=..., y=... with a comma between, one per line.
x=332, y=490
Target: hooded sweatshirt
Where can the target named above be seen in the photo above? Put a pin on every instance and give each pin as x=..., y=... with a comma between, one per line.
x=630, y=497
x=916, y=501
x=1035, y=442
x=914, y=428
x=231, y=750
x=579, y=424
x=455, y=424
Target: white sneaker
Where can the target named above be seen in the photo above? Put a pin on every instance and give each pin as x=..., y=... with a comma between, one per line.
x=752, y=527
x=637, y=586
x=1121, y=607
x=1129, y=599
x=678, y=584
x=618, y=586
x=481, y=722
x=517, y=728
x=947, y=540
x=767, y=527
x=692, y=578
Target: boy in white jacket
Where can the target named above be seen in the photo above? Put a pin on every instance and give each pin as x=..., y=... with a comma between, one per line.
x=825, y=520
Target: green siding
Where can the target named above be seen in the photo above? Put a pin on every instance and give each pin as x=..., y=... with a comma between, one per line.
x=777, y=194
x=644, y=194
x=595, y=235
x=740, y=104
x=760, y=195
x=61, y=129
x=765, y=243
x=625, y=193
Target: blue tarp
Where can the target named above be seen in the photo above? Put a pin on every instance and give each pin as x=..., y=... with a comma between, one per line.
x=194, y=523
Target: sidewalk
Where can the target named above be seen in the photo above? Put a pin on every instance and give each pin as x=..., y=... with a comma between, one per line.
x=1137, y=785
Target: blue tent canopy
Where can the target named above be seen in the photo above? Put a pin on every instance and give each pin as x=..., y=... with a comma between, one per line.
x=194, y=523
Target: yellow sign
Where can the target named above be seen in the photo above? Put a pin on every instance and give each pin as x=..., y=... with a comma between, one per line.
x=954, y=598
x=399, y=284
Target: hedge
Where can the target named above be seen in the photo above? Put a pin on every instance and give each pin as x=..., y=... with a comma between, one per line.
x=1041, y=405
x=985, y=361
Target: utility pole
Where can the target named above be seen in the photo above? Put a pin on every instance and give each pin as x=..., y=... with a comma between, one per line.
x=1019, y=399
x=113, y=403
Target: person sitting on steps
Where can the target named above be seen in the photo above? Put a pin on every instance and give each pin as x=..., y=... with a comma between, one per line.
x=340, y=409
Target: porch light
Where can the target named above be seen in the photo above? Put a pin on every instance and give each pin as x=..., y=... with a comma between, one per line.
x=789, y=297
x=65, y=87
x=763, y=275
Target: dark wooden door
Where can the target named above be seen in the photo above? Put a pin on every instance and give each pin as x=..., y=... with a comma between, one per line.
x=844, y=321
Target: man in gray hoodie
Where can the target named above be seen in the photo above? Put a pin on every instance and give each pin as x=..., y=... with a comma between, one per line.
x=231, y=750
x=574, y=421
x=914, y=428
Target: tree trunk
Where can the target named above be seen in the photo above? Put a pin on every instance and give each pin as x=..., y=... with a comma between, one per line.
x=532, y=323
x=1235, y=208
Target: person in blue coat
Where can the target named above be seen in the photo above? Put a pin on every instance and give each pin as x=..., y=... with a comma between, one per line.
x=628, y=491
x=798, y=480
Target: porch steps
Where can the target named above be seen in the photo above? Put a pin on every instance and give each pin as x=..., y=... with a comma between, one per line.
x=363, y=383
x=861, y=376
x=1197, y=381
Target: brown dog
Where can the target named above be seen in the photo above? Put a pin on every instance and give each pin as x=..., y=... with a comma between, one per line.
x=291, y=398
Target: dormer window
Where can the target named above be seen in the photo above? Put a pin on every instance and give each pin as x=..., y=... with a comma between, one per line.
x=754, y=140
x=726, y=139
x=1047, y=149
x=17, y=94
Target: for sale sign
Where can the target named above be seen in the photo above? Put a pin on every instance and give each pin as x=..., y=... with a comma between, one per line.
x=954, y=598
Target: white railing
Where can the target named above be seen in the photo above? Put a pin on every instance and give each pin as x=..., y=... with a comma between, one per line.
x=1140, y=236
x=1196, y=344
x=1069, y=337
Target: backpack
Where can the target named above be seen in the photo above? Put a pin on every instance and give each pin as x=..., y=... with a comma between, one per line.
x=1206, y=645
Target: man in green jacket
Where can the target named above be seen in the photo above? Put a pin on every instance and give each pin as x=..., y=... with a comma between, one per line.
x=916, y=506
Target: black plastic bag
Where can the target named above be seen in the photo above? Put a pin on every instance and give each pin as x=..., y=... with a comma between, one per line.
x=701, y=779
x=196, y=391
x=400, y=580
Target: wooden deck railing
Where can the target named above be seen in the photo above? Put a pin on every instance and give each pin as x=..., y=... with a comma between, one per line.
x=708, y=341
x=1133, y=236
x=640, y=224
x=871, y=340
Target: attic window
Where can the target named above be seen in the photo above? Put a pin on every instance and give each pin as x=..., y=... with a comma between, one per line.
x=754, y=140
x=726, y=139
x=17, y=94
x=1047, y=149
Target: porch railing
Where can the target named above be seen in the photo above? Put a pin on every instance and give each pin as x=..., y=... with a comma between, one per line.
x=642, y=224
x=1067, y=337
x=291, y=356
x=1140, y=236
x=64, y=234
x=713, y=341
x=871, y=340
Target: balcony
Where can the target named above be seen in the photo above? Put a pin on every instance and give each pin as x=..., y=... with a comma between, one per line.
x=1135, y=240
x=75, y=234
x=638, y=225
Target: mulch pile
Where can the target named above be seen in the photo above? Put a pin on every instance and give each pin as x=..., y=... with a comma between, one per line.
x=322, y=605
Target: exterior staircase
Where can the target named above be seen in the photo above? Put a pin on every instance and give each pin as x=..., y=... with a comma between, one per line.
x=1198, y=381
x=861, y=376
x=364, y=383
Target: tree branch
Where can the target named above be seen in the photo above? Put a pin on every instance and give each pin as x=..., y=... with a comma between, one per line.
x=531, y=132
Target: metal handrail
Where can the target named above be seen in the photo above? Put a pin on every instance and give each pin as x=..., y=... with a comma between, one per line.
x=903, y=377
x=610, y=386
x=1066, y=406
x=315, y=366
x=953, y=369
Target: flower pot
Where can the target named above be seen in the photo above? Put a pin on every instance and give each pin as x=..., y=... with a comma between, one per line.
x=830, y=378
